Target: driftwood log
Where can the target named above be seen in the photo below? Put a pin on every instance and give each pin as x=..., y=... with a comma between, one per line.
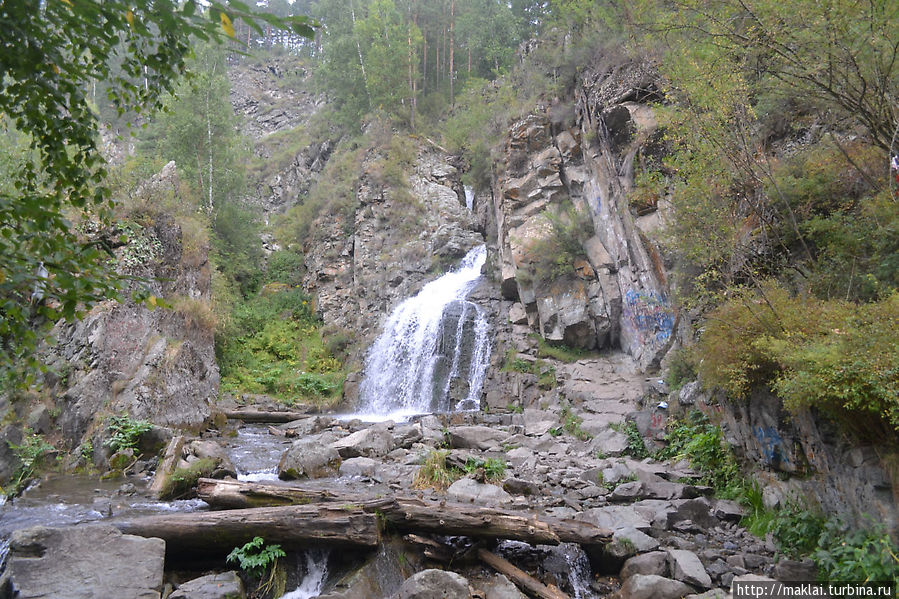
x=292, y=525
x=519, y=577
x=263, y=416
x=411, y=514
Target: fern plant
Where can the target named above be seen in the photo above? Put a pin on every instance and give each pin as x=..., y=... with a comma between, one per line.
x=256, y=557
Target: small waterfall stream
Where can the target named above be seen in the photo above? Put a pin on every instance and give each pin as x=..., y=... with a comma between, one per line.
x=433, y=352
x=316, y=573
x=469, y=197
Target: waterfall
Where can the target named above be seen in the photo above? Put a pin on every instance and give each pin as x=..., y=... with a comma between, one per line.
x=433, y=352
x=469, y=197
x=315, y=575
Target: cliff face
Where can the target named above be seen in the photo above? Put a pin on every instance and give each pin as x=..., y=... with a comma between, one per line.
x=615, y=295
x=126, y=357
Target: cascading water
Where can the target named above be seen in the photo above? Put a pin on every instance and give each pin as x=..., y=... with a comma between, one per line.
x=433, y=352
x=469, y=197
x=314, y=578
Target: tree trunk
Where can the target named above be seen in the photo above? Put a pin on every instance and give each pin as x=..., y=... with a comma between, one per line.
x=452, y=47
x=414, y=515
x=520, y=578
x=291, y=525
x=263, y=416
x=167, y=464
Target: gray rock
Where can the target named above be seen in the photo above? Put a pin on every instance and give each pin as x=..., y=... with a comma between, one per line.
x=517, y=486
x=9, y=461
x=610, y=443
x=226, y=585
x=698, y=511
x=711, y=594
x=615, y=517
x=467, y=490
x=434, y=584
x=499, y=587
x=476, y=437
x=517, y=314
x=204, y=449
x=650, y=586
x=366, y=467
x=627, y=491
x=308, y=458
x=373, y=442
x=539, y=422
x=685, y=566
x=38, y=419
x=83, y=562
x=728, y=510
x=640, y=541
x=654, y=562
x=788, y=570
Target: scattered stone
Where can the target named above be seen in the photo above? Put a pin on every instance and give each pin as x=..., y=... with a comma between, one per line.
x=788, y=570
x=517, y=486
x=365, y=467
x=434, y=584
x=627, y=491
x=500, y=587
x=83, y=562
x=467, y=490
x=685, y=566
x=610, y=443
x=654, y=562
x=226, y=585
x=615, y=517
x=650, y=586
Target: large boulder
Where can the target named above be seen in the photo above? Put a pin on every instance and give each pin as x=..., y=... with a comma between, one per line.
x=226, y=585
x=476, y=437
x=467, y=490
x=650, y=586
x=83, y=562
x=309, y=458
x=434, y=584
x=373, y=442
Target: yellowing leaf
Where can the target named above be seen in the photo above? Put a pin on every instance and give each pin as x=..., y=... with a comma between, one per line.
x=129, y=16
x=69, y=2
x=55, y=68
x=226, y=24
x=151, y=302
x=2, y=276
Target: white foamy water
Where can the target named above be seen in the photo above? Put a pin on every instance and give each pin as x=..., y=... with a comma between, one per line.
x=469, y=197
x=314, y=578
x=401, y=365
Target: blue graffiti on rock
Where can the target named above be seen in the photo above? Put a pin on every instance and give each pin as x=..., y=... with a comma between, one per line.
x=649, y=314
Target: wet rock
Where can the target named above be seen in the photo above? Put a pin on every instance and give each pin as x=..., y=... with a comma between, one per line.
x=654, y=562
x=476, y=437
x=434, y=584
x=308, y=458
x=467, y=490
x=372, y=442
x=203, y=449
x=226, y=585
x=685, y=566
x=83, y=562
x=650, y=586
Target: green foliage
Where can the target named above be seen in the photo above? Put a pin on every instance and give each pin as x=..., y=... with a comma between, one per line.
x=434, y=472
x=255, y=557
x=285, y=266
x=847, y=553
x=571, y=422
x=635, y=446
x=555, y=254
x=703, y=444
x=681, y=369
x=560, y=352
x=56, y=176
x=545, y=373
x=796, y=530
x=182, y=481
x=125, y=432
x=832, y=355
x=32, y=454
x=494, y=468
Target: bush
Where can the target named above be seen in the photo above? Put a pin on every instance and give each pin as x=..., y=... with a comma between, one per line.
x=681, y=369
x=556, y=254
x=702, y=443
x=847, y=553
x=835, y=356
x=32, y=453
x=434, y=472
x=125, y=432
x=256, y=557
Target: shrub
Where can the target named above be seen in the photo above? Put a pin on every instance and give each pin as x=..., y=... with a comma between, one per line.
x=556, y=253
x=32, y=454
x=835, y=356
x=493, y=468
x=681, y=369
x=125, y=432
x=635, y=445
x=847, y=553
x=572, y=424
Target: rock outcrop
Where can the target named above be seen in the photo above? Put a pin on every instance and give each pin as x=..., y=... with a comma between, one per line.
x=136, y=358
x=611, y=290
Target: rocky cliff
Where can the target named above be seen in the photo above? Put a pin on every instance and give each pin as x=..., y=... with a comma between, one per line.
x=129, y=358
x=613, y=293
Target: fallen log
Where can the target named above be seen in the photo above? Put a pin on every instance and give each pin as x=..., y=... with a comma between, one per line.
x=231, y=494
x=521, y=578
x=263, y=416
x=413, y=515
x=167, y=464
x=290, y=525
